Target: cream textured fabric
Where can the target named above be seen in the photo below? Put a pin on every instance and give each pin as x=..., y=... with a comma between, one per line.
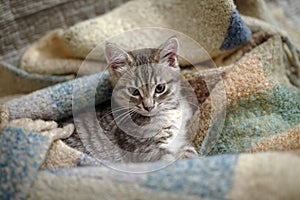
x=252, y=96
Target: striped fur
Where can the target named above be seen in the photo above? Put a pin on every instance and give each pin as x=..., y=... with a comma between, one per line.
x=148, y=116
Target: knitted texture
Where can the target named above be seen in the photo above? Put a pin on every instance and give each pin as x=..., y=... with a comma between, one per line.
x=248, y=104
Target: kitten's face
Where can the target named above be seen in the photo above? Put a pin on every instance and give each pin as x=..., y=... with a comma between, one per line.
x=148, y=89
x=145, y=81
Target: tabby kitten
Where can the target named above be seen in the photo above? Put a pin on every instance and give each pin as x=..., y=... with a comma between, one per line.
x=150, y=107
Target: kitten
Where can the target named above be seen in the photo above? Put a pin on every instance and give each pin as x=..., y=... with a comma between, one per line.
x=150, y=107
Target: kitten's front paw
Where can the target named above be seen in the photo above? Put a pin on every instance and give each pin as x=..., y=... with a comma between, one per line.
x=187, y=152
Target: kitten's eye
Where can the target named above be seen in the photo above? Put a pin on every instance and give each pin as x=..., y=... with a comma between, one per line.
x=160, y=88
x=133, y=91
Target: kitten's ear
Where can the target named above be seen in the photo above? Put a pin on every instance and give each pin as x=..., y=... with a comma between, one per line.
x=168, y=52
x=117, y=58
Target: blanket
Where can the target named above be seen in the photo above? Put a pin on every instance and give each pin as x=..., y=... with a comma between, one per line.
x=246, y=129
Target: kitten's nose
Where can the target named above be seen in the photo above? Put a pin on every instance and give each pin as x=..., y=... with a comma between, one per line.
x=148, y=104
x=148, y=108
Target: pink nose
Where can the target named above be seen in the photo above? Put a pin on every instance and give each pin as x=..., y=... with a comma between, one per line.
x=148, y=108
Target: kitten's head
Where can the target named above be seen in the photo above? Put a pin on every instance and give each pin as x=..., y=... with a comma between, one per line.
x=147, y=81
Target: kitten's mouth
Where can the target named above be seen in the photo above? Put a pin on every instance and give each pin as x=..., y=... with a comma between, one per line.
x=144, y=114
x=148, y=114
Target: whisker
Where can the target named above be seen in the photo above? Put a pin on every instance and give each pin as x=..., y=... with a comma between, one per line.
x=110, y=112
x=119, y=116
x=124, y=115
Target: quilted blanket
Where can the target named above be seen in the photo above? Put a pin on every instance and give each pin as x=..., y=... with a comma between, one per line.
x=246, y=130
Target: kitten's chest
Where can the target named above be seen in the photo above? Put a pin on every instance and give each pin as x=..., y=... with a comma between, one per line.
x=179, y=117
x=178, y=122
x=170, y=119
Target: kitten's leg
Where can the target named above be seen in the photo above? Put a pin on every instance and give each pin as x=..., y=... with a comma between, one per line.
x=187, y=151
x=164, y=140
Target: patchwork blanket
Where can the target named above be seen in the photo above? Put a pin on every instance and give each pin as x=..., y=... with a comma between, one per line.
x=247, y=127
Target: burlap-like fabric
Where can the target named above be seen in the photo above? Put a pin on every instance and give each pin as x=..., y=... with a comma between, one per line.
x=219, y=20
x=259, y=111
x=24, y=22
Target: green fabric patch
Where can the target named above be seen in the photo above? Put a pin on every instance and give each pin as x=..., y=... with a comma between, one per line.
x=258, y=117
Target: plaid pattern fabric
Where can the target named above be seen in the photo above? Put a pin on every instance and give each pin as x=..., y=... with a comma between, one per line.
x=257, y=143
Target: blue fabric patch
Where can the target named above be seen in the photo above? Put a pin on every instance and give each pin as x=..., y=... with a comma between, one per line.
x=21, y=156
x=237, y=34
x=209, y=178
x=258, y=117
x=35, y=78
x=81, y=92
